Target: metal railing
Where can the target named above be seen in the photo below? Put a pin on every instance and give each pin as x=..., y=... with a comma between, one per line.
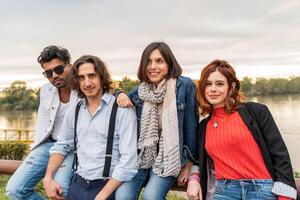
x=21, y=135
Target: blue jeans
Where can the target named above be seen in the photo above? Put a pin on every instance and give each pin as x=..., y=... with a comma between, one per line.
x=155, y=187
x=22, y=183
x=244, y=190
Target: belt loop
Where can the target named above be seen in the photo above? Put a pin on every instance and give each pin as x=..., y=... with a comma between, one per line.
x=225, y=182
x=75, y=177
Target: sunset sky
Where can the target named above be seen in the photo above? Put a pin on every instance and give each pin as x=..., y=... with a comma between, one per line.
x=259, y=38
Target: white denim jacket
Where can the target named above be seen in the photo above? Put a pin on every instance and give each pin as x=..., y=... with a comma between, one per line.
x=49, y=103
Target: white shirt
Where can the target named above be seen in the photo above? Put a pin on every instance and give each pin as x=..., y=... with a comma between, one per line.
x=62, y=109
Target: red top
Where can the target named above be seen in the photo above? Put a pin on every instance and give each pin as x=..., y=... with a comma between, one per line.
x=231, y=145
x=233, y=149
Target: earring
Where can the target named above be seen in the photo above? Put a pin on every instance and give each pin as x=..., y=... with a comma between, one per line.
x=232, y=100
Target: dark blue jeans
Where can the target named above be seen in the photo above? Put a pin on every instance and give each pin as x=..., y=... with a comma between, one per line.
x=244, y=190
x=156, y=188
x=81, y=189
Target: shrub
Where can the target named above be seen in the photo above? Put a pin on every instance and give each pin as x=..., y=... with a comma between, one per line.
x=13, y=150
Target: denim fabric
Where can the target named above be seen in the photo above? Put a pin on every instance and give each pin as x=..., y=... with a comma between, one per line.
x=49, y=103
x=21, y=185
x=81, y=189
x=155, y=187
x=244, y=189
x=187, y=116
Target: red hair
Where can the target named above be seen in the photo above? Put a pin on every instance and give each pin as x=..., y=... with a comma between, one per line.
x=234, y=96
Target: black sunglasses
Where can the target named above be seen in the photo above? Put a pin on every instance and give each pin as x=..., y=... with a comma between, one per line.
x=59, y=69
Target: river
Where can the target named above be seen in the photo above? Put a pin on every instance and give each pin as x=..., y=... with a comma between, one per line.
x=285, y=110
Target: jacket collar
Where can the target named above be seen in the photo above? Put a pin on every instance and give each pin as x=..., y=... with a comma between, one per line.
x=179, y=81
x=249, y=120
x=52, y=97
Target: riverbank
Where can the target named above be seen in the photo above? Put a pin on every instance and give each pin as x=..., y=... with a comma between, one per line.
x=292, y=142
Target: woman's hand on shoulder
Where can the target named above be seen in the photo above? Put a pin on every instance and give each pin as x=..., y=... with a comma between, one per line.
x=124, y=101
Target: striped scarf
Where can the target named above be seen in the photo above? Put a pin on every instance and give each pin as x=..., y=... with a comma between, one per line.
x=167, y=161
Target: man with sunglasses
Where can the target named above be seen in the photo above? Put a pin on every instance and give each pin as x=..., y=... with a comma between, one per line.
x=55, y=98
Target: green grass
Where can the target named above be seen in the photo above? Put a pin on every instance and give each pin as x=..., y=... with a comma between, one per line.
x=3, y=182
x=172, y=195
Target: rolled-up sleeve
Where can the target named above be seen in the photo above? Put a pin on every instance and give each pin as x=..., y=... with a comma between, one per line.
x=126, y=126
x=65, y=138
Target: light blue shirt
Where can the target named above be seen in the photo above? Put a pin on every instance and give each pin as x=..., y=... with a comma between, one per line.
x=92, y=134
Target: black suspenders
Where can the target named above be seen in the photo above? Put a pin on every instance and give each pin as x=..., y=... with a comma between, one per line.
x=110, y=138
x=75, y=158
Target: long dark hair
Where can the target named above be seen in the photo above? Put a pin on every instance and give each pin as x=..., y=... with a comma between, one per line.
x=100, y=68
x=174, y=69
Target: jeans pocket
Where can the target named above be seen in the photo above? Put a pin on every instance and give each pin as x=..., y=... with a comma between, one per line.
x=265, y=192
x=220, y=187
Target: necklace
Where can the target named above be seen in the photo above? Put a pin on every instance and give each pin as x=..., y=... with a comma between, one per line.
x=216, y=124
x=219, y=117
x=218, y=121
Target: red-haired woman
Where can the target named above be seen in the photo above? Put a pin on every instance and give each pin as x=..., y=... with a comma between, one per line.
x=242, y=154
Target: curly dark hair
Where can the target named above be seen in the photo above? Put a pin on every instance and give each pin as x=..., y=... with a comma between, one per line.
x=234, y=96
x=51, y=52
x=100, y=68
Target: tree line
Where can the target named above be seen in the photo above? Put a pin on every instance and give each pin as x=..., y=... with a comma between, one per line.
x=273, y=86
x=18, y=97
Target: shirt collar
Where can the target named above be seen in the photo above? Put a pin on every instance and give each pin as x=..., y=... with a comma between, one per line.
x=106, y=98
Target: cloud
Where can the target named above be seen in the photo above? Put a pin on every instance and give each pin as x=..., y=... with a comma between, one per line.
x=247, y=33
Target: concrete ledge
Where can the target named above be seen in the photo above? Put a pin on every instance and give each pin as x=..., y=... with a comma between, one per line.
x=10, y=166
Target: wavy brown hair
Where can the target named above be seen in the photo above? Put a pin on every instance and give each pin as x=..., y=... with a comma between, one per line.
x=234, y=96
x=100, y=68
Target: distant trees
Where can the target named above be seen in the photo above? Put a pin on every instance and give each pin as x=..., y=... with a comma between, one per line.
x=18, y=97
x=258, y=87
x=127, y=84
x=274, y=86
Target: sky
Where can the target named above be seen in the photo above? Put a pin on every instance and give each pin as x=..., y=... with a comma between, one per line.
x=258, y=38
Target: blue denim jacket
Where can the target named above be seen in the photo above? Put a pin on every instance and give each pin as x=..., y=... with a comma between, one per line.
x=187, y=116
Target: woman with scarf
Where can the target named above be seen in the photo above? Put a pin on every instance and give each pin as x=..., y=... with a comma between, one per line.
x=167, y=120
x=242, y=154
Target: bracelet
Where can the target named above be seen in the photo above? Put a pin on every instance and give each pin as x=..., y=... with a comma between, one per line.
x=194, y=174
x=194, y=177
x=195, y=169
